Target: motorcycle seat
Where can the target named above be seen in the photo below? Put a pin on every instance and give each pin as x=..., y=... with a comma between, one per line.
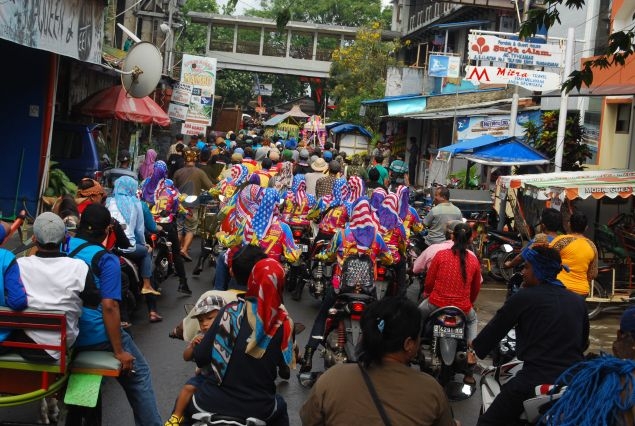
x=356, y=297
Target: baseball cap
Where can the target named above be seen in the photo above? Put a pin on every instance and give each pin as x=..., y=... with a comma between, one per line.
x=96, y=217
x=627, y=322
x=274, y=155
x=328, y=155
x=208, y=304
x=49, y=228
x=335, y=167
x=304, y=154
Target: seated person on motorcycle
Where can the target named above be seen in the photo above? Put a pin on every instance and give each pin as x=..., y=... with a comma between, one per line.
x=411, y=220
x=422, y=263
x=605, y=383
x=164, y=208
x=439, y=215
x=394, y=234
x=297, y=203
x=12, y=292
x=552, y=331
x=391, y=328
x=205, y=312
x=125, y=207
x=454, y=279
x=331, y=211
x=226, y=188
x=357, y=188
x=88, y=191
x=359, y=237
x=246, y=345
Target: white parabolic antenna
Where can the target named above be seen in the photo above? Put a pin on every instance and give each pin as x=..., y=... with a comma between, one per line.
x=142, y=67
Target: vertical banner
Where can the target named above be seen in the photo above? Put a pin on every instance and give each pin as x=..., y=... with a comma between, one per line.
x=200, y=73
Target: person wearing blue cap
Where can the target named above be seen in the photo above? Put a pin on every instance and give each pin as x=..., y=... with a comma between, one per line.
x=327, y=155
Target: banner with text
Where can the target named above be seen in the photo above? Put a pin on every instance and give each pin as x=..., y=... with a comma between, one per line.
x=444, y=66
x=200, y=73
x=73, y=28
x=539, y=81
x=493, y=125
x=492, y=48
x=180, y=101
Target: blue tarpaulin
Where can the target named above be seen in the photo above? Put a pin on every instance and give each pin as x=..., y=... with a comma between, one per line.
x=349, y=128
x=496, y=151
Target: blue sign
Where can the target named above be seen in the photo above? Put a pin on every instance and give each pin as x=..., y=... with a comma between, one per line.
x=439, y=65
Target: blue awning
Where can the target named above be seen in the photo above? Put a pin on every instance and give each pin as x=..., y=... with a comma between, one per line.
x=463, y=24
x=496, y=151
x=350, y=128
x=391, y=98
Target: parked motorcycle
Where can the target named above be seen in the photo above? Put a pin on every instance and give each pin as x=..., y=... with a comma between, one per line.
x=443, y=351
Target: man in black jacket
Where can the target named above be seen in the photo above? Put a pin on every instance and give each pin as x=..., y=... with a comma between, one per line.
x=552, y=331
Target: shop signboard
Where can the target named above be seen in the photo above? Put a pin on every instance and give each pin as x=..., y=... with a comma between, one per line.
x=177, y=112
x=182, y=93
x=496, y=49
x=200, y=73
x=539, y=81
x=73, y=28
x=193, y=128
x=263, y=89
x=493, y=125
x=444, y=66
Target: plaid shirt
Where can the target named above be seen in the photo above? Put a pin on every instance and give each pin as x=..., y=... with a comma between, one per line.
x=324, y=186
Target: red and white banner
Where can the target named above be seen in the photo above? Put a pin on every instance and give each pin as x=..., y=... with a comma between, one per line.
x=496, y=49
x=539, y=81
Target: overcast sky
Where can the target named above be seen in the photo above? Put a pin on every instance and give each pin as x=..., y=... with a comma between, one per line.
x=243, y=5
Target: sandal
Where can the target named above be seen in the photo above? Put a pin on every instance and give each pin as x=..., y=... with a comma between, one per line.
x=186, y=256
x=150, y=291
x=174, y=420
x=155, y=317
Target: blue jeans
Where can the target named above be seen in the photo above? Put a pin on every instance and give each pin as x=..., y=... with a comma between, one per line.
x=221, y=280
x=143, y=258
x=138, y=386
x=319, y=325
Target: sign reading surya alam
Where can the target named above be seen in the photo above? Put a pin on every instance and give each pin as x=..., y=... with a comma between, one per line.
x=73, y=28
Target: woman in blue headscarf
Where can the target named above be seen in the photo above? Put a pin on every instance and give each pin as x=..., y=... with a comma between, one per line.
x=150, y=185
x=125, y=207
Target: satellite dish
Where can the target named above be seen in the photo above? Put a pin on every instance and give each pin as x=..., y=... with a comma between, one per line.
x=142, y=67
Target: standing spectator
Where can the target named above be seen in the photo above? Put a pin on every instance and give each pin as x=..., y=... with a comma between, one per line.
x=413, y=160
x=190, y=180
x=373, y=180
x=357, y=168
x=302, y=168
x=318, y=167
x=324, y=185
x=176, y=161
x=398, y=172
x=436, y=221
x=179, y=140
x=579, y=254
x=99, y=327
x=200, y=142
x=550, y=224
x=383, y=172
x=146, y=168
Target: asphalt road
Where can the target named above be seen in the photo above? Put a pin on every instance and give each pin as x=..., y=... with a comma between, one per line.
x=169, y=371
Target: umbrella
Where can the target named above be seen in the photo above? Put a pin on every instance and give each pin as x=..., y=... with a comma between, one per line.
x=114, y=102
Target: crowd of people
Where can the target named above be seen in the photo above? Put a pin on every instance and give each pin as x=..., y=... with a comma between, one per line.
x=360, y=206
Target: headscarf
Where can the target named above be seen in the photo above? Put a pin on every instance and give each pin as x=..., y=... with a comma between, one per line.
x=377, y=198
x=237, y=176
x=150, y=185
x=339, y=196
x=545, y=269
x=284, y=178
x=357, y=188
x=247, y=202
x=299, y=191
x=387, y=214
x=266, y=313
x=125, y=195
x=362, y=224
x=147, y=166
x=256, y=229
x=403, y=199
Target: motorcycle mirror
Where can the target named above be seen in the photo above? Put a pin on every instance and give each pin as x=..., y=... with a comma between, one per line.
x=507, y=248
x=190, y=199
x=458, y=391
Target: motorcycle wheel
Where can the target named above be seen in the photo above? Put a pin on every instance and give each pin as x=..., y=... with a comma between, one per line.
x=507, y=273
x=595, y=308
x=496, y=271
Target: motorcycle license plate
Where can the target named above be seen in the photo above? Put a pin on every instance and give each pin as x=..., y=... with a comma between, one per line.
x=305, y=248
x=441, y=331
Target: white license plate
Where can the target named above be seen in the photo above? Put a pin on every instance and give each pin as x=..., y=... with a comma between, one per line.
x=305, y=248
x=441, y=331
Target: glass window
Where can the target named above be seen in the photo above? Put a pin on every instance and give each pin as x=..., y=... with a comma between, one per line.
x=66, y=145
x=623, y=121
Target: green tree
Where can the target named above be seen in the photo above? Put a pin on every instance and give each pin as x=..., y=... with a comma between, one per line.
x=353, y=13
x=542, y=136
x=358, y=72
x=193, y=40
x=621, y=44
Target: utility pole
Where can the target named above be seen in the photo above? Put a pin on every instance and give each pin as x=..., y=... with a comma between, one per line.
x=564, y=100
